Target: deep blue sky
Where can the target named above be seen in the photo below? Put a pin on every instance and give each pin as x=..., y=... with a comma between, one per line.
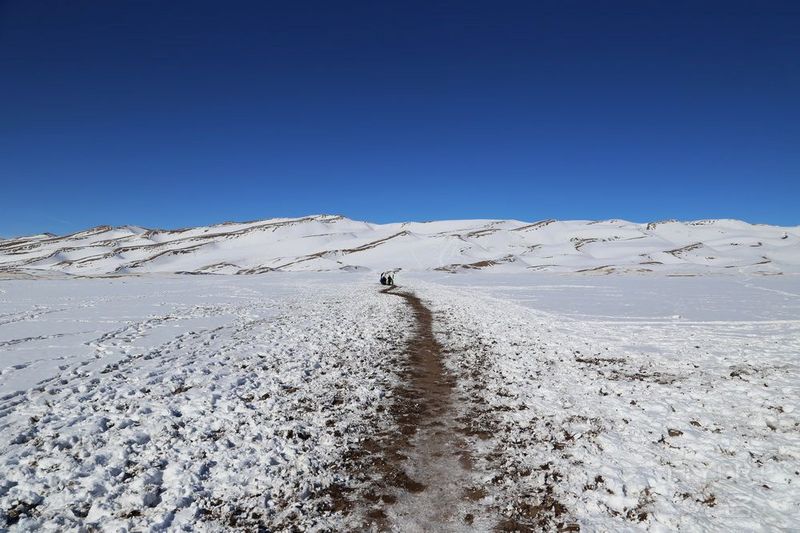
x=183, y=113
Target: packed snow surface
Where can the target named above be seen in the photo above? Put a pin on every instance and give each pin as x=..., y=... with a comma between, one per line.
x=626, y=402
x=329, y=243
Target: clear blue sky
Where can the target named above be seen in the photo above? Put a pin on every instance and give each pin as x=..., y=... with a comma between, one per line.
x=174, y=113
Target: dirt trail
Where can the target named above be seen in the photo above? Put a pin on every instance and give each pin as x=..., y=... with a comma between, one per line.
x=430, y=463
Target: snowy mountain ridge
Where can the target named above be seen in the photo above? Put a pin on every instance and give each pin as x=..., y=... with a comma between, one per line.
x=332, y=243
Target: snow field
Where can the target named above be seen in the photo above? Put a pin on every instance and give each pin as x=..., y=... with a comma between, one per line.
x=238, y=424
x=609, y=403
x=623, y=425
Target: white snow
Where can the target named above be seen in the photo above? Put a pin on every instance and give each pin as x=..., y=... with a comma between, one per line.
x=330, y=243
x=186, y=403
x=657, y=400
x=644, y=402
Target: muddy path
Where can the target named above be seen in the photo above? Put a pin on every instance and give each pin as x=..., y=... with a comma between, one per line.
x=427, y=467
x=442, y=459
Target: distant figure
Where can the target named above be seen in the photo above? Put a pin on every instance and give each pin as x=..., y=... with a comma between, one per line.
x=387, y=278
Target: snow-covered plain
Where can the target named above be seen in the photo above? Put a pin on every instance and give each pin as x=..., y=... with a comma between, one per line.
x=636, y=402
x=197, y=403
x=623, y=402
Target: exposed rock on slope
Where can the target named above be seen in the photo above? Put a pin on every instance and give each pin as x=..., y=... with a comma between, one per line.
x=329, y=243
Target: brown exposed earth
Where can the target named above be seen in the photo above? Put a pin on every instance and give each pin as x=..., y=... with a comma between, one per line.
x=425, y=472
x=432, y=454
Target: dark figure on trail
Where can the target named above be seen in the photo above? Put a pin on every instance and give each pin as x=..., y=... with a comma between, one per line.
x=387, y=278
x=383, y=278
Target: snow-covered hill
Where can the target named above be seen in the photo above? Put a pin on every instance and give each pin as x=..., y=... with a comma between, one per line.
x=329, y=243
